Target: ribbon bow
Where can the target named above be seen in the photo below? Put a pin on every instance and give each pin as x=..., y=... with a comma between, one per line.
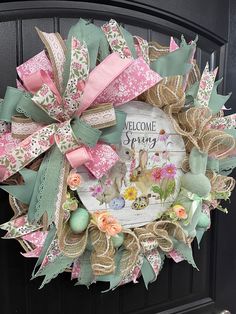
x=196, y=203
x=155, y=238
x=75, y=128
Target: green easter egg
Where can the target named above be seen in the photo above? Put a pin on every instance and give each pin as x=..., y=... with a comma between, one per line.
x=204, y=221
x=79, y=220
x=118, y=240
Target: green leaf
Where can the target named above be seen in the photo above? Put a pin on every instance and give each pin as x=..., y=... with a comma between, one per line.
x=156, y=189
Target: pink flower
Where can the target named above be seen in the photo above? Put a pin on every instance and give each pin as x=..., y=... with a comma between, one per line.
x=19, y=222
x=106, y=28
x=44, y=90
x=11, y=158
x=96, y=190
x=26, y=142
x=169, y=171
x=156, y=157
x=114, y=42
x=203, y=84
x=80, y=85
x=75, y=43
x=127, y=52
x=156, y=175
x=163, y=136
x=77, y=65
x=75, y=96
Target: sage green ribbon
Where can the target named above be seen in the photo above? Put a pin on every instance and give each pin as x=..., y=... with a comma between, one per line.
x=95, y=40
x=23, y=192
x=216, y=101
x=176, y=62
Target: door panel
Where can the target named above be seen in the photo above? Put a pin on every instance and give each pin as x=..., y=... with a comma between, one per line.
x=179, y=288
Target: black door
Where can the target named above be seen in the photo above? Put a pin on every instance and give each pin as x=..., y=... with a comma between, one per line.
x=179, y=288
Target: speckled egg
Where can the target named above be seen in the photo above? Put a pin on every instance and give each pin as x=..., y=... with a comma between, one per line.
x=117, y=203
x=204, y=221
x=118, y=240
x=79, y=220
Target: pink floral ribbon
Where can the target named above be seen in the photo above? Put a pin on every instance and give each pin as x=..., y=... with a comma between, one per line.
x=133, y=81
x=141, y=47
x=221, y=123
x=206, y=86
x=37, y=238
x=19, y=227
x=35, y=64
x=116, y=39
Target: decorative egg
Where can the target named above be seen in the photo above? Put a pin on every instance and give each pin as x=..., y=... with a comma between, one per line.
x=79, y=220
x=204, y=221
x=118, y=240
x=117, y=203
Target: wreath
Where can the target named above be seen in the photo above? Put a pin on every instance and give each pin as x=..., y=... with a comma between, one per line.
x=113, y=151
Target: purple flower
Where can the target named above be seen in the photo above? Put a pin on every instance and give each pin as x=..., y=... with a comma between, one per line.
x=169, y=171
x=163, y=136
x=96, y=190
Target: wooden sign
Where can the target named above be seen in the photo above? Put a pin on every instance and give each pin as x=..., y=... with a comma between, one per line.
x=146, y=180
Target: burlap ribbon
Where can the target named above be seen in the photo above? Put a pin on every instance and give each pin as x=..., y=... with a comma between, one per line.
x=103, y=251
x=160, y=233
x=220, y=183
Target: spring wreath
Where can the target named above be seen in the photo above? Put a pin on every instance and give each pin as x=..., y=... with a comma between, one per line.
x=113, y=151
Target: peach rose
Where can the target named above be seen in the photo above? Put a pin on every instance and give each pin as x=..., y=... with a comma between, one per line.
x=113, y=229
x=106, y=223
x=74, y=180
x=100, y=219
x=180, y=211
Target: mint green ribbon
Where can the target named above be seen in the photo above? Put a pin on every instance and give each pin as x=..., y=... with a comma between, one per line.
x=196, y=203
x=176, y=62
x=23, y=192
x=95, y=40
x=216, y=101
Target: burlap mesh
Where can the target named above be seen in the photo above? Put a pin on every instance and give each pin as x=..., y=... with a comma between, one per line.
x=131, y=251
x=102, y=258
x=71, y=244
x=220, y=183
x=156, y=51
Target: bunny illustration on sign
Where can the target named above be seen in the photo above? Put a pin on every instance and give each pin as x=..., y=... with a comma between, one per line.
x=116, y=178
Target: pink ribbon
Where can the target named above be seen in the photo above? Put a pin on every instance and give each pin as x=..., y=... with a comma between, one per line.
x=173, y=45
x=34, y=81
x=101, y=77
